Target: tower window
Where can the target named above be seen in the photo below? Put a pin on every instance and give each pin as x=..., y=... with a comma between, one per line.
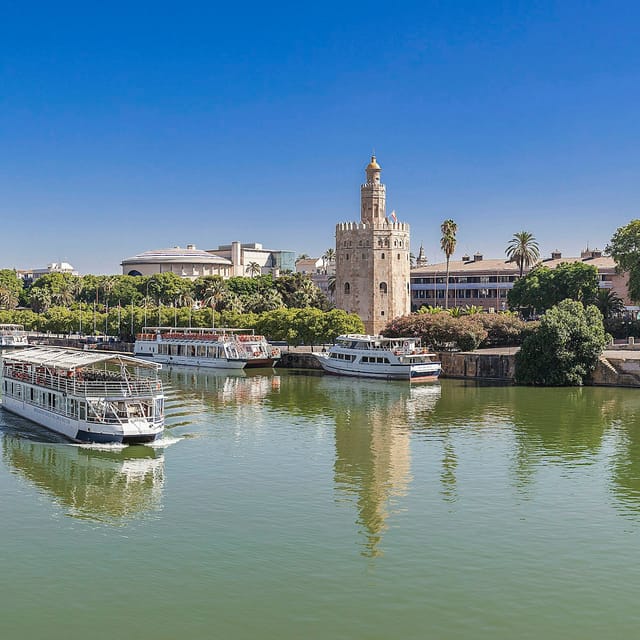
x=347, y=288
x=382, y=256
x=346, y=256
x=364, y=256
x=383, y=287
x=398, y=256
x=382, y=313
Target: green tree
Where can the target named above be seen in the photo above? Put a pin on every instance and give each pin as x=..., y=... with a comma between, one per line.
x=448, y=245
x=39, y=299
x=523, y=250
x=624, y=248
x=542, y=287
x=11, y=287
x=564, y=349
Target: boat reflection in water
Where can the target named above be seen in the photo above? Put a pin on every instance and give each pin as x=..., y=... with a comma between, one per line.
x=222, y=387
x=373, y=446
x=110, y=486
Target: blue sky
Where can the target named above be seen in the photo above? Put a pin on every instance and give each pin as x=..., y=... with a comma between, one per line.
x=139, y=125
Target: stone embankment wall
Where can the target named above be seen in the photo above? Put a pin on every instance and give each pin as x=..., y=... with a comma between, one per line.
x=489, y=365
x=617, y=370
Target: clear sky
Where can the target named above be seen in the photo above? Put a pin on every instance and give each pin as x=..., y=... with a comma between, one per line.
x=128, y=126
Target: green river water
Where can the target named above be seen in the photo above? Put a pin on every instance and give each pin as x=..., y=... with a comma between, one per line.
x=283, y=505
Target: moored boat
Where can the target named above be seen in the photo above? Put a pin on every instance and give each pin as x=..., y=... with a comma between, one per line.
x=379, y=357
x=221, y=348
x=13, y=335
x=86, y=396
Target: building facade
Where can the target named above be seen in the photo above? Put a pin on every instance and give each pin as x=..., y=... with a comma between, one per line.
x=244, y=257
x=188, y=262
x=373, y=259
x=486, y=283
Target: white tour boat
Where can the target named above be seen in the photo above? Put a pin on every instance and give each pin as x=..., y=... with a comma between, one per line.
x=87, y=396
x=379, y=357
x=13, y=335
x=221, y=348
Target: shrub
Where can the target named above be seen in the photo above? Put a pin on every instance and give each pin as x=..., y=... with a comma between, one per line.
x=564, y=349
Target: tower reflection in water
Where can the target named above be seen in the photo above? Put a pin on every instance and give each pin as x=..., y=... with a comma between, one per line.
x=108, y=486
x=373, y=454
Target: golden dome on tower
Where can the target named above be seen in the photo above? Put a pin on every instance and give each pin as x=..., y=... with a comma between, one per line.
x=373, y=164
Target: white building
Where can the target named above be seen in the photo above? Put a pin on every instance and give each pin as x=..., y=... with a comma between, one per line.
x=188, y=262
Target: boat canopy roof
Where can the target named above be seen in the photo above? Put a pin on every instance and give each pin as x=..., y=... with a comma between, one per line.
x=359, y=337
x=73, y=358
x=199, y=330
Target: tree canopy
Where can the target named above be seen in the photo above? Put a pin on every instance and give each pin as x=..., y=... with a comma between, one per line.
x=624, y=248
x=542, y=287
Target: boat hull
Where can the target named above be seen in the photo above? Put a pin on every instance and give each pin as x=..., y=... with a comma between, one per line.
x=83, y=431
x=254, y=363
x=209, y=363
x=411, y=373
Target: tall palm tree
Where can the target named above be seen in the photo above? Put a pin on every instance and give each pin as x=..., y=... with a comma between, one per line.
x=448, y=244
x=254, y=269
x=329, y=257
x=523, y=250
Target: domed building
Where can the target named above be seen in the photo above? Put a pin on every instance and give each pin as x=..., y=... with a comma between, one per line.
x=188, y=262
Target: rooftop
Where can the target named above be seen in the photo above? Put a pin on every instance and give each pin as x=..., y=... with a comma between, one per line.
x=176, y=254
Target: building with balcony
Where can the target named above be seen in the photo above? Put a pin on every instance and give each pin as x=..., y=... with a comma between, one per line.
x=486, y=283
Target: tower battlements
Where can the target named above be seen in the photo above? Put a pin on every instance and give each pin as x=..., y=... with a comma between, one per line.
x=385, y=224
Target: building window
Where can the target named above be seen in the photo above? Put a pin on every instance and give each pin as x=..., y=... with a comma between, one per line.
x=382, y=313
x=346, y=256
x=383, y=287
x=347, y=288
x=382, y=256
x=364, y=256
x=398, y=256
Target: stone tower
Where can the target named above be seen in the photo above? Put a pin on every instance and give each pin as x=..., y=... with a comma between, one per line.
x=372, y=259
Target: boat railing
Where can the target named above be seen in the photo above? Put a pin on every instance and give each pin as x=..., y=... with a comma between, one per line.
x=75, y=385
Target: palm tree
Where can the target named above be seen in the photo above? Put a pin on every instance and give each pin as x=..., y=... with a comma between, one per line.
x=8, y=299
x=448, y=244
x=609, y=302
x=214, y=294
x=523, y=250
x=331, y=284
x=39, y=299
x=329, y=257
x=254, y=269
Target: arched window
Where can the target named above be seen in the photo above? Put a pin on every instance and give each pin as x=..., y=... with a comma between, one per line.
x=382, y=256
x=347, y=288
x=383, y=287
x=134, y=272
x=398, y=256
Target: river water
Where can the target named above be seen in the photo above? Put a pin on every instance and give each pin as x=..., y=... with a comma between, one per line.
x=283, y=505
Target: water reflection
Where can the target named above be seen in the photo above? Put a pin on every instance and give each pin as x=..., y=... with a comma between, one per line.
x=105, y=485
x=373, y=448
x=217, y=386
